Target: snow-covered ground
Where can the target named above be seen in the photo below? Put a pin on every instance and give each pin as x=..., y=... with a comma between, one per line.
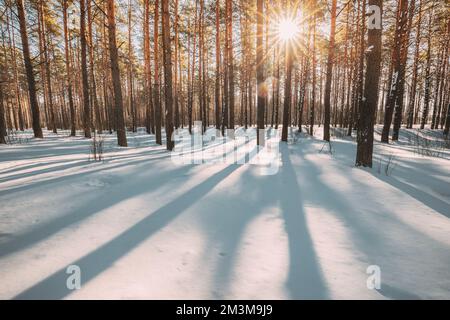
x=141, y=227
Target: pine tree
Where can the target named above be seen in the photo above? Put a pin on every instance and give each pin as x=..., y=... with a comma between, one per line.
x=168, y=87
x=29, y=71
x=327, y=98
x=367, y=113
x=261, y=87
x=115, y=73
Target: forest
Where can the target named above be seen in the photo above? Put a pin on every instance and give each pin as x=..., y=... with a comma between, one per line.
x=355, y=94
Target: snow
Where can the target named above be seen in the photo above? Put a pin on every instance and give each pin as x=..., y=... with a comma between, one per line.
x=142, y=227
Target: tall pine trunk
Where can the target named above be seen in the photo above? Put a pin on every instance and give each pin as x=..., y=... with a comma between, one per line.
x=327, y=98
x=167, y=57
x=397, y=75
x=94, y=98
x=412, y=94
x=115, y=73
x=217, y=84
x=230, y=65
x=406, y=24
x=2, y=116
x=427, y=74
x=261, y=87
x=313, y=84
x=29, y=71
x=68, y=72
x=367, y=113
x=147, y=70
x=156, y=88
x=84, y=72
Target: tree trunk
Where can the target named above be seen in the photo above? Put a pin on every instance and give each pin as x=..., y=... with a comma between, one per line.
x=412, y=94
x=147, y=69
x=217, y=84
x=440, y=65
x=287, y=91
x=84, y=72
x=327, y=98
x=261, y=87
x=369, y=105
x=115, y=73
x=313, y=94
x=167, y=56
x=406, y=29
x=2, y=116
x=131, y=102
x=397, y=76
x=156, y=88
x=29, y=70
x=94, y=98
x=175, y=69
x=230, y=66
x=68, y=72
x=12, y=44
x=427, y=75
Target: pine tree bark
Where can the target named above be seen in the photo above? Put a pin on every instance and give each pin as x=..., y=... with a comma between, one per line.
x=148, y=70
x=217, y=84
x=444, y=93
x=412, y=94
x=427, y=74
x=202, y=68
x=362, y=49
x=68, y=71
x=156, y=85
x=287, y=92
x=369, y=105
x=94, y=98
x=261, y=87
x=175, y=69
x=447, y=121
x=397, y=80
x=2, y=116
x=406, y=29
x=313, y=84
x=131, y=102
x=29, y=71
x=440, y=65
x=17, y=91
x=48, y=73
x=115, y=73
x=168, y=87
x=230, y=62
x=327, y=98
x=84, y=72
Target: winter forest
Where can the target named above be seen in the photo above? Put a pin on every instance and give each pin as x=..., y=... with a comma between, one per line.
x=224, y=149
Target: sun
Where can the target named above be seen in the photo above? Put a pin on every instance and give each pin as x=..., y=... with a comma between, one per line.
x=287, y=29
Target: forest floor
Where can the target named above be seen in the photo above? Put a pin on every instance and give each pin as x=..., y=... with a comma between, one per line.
x=141, y=227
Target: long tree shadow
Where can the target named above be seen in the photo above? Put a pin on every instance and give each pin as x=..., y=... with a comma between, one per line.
x=92, y=264
x=65, y=177
x=378, y=247
x=138, y=186
x=426, y=198
x=109, y=199
x=409, y=174
x=305, y=280
x=32, y=165
x=226, y=224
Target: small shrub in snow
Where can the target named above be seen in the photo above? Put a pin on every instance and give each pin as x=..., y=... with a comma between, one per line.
x=390, y=165
x=329, y=147
x=428, y=147
x=14, y=138
x=97, y=148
